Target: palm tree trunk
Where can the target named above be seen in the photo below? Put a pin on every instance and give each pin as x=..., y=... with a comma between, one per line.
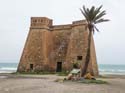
x=87, y=60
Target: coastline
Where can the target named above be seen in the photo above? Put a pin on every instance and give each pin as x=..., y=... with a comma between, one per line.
x=13, y=83
x=30, y=83
x=103, y=68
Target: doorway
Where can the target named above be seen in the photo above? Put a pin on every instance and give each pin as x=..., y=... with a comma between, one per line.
x=31, y=66
x=59, y=67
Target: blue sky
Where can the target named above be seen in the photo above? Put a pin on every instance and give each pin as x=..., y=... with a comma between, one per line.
x=15, y=21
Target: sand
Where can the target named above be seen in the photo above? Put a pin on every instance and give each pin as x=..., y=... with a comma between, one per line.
x=46, y=84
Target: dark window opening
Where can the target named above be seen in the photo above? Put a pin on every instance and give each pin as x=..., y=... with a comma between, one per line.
x=31, y=66
x=59, y=67
x=79, y=57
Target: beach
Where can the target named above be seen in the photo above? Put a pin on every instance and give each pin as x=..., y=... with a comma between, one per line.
x=46, y=84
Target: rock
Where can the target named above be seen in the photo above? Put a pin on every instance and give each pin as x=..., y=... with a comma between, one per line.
x=89, y=76
x=70, y=76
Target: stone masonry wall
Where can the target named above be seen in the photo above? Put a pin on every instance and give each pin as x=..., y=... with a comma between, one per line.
x=56, y=48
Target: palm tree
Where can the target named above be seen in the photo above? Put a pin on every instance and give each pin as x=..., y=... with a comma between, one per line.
x=93, y=16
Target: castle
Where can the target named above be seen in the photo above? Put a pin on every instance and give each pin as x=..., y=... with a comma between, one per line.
x=55, y=48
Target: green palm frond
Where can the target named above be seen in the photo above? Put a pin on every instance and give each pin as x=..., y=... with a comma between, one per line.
x=101, y=20
x=96, y=28
x=91, y=12
x=85, y=12
x=93, y=15
x=97, y=10
x=85, y=15
x=99, y=15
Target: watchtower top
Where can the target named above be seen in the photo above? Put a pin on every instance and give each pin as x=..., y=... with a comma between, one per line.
x=40, y=22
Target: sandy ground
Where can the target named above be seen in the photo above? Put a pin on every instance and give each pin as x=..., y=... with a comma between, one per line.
x=46, y=84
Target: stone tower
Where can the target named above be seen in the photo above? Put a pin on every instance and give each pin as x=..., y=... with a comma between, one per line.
x=55, y=48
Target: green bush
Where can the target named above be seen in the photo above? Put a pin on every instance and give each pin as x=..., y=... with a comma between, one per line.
x=93, y=81
x=63, y=73
x=34, y=73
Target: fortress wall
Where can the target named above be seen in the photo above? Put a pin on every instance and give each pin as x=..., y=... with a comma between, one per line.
x=35, y=50
x=47, y=44
x=60, y=44
x=61, y=27
x=21, y=65
x=94, y=65
x=77, y=45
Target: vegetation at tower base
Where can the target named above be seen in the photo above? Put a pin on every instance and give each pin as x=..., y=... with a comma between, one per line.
x=93, y=16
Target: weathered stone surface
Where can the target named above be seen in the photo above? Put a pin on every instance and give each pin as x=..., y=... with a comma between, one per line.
x=55, y=48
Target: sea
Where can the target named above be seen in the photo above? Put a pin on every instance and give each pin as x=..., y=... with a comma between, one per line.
x=103, y=68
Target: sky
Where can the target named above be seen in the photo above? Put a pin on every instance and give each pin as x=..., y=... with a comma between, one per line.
x=15, y=22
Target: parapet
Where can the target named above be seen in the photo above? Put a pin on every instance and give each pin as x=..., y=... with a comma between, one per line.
x=46, y=23
x=69, y=26
x=41, y=22
x=58, y=27
x=79, y=22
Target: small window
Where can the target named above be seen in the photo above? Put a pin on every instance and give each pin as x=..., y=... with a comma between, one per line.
x=31, y=66
x=79, y=57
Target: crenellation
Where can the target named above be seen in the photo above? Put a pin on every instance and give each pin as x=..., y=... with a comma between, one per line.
x=80, y=22
x=41, y=22
x=59, y=27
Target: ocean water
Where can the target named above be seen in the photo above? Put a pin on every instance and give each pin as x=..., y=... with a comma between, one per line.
x=103, y=68
x=111, y=69
x=8, y=67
